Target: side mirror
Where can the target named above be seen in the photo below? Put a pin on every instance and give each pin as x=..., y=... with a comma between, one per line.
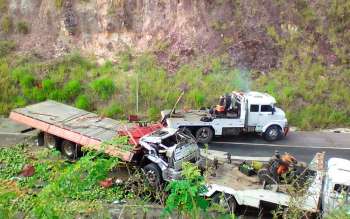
x=273, y=110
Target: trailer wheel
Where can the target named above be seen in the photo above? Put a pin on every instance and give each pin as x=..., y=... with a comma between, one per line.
x=70, y=149
x=153, y=175
x=50, y=141
x=226, y=201
x=204, y=135
x=272, y=133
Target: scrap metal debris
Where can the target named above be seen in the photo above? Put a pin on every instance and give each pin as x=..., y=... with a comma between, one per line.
x=28, y=170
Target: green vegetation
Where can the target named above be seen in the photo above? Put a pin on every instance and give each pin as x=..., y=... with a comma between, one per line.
x=3, y=5
x=112, y=111
x=340, y=213
x=83, y=102
x=153, y=113
x=59, y=3
x=72, y=89
x=79, y=81
x=103, y=87
x=22, y=27
x=55, y=185
x=312, y=80
x=6, y=24
x=6, y=47
x=184, y=195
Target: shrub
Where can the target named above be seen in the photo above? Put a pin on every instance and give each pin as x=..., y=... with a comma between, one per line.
x=6, y=47
x=104, y=88
x=20, y=101
x=8, y=90
x=106, y=68
x=59, y=3
x=19, y=72
x=57, y=95
x=48, y=85
x=22, y=27
x=27, y=81
x=185, y=195
x=113, y=110
x=125, y=59
x=82, y=102
x=198, y=98
x=153, y=113
x=72, y=89
x=6, y=24
x=37, y=94
x=3, y=5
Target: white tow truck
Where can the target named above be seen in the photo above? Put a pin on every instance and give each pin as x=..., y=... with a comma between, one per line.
x=236, y=113
x=237, y=192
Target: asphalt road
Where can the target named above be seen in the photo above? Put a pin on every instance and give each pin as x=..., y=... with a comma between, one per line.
x=303, y=145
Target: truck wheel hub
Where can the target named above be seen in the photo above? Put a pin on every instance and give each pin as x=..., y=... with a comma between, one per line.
x=68, y=149
x=151, y=176
x=273, y=133
x=203, y=134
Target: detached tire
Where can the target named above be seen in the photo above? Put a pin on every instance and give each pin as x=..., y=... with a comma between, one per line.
x=153, y=175
x=226, y=201
x=70, y=150
x=272, y=133
x=51, y=141
x=204, y=135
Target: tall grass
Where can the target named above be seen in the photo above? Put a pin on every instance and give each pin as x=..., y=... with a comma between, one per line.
x=308, y=92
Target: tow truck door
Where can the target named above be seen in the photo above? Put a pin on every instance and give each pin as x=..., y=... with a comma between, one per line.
x=253, y=112
x=265, y=115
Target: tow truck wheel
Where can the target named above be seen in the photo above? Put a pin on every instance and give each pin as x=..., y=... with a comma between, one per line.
x=70, y=150
x=226, y=201
x=153, y=174
x=272, y=133
x=204, y=135
x=50, y=141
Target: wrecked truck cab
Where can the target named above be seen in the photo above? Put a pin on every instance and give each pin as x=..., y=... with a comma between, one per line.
x=165, y=150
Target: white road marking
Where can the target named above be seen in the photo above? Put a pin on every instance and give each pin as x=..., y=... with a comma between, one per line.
x=281, y=145
x=222, y=155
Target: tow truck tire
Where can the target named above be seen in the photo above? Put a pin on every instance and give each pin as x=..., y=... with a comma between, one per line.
x=204, y=135
x=272, y=133
x=226, y=201
x=50, y=141
x=153, y=175
x=70, y=149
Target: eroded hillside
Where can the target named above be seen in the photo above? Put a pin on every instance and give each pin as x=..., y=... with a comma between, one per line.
x=297, y=50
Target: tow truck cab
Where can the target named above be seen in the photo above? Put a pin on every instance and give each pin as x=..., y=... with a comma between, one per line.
x=236, y=113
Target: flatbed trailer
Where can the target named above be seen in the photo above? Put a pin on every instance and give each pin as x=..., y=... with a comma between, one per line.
x=81, y=127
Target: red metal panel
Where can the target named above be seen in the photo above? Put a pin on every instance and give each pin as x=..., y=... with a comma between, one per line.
x=137, y=132
x=29, y=121
x=64, y=133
